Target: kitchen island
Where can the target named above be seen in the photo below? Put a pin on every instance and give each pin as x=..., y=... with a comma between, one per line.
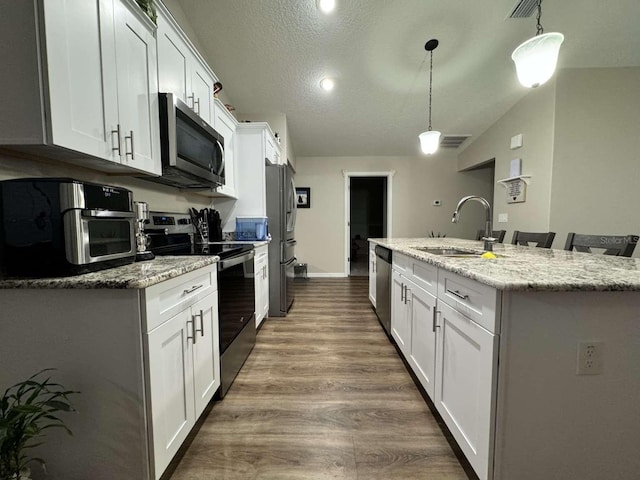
x=139, y=342
x=531, y=358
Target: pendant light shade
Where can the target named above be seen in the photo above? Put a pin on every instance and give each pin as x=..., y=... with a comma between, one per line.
x=536, y=59
x=429, y=141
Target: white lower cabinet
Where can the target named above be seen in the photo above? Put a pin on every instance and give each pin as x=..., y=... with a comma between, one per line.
x=262, y=283
x=465, y=360
x=183, y=358
x=453, y=356
x=372, y=273
x=412, y=327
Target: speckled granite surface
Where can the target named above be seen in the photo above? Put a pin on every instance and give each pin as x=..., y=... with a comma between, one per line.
x=135, y=275
x=527, y=268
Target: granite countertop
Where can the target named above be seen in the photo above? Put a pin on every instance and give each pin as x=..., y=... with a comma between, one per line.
x=527, y=268
x=136, y=275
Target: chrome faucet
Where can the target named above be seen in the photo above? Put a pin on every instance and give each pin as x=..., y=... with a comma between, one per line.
x=488, y=228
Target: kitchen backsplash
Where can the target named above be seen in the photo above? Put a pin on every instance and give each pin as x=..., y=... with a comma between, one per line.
x=159, y=197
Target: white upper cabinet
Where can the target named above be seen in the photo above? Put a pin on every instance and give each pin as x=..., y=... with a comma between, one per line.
x=226, y=124
x=136, y=66
x=181, y=70
x=83, y=76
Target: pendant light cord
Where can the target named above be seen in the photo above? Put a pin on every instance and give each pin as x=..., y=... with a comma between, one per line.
x=430, y=85
x=539, y=29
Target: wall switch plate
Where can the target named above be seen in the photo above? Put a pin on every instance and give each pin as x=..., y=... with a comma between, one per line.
x=516, y=141
x=590, y=358
x=436, y=203
x=503, y=217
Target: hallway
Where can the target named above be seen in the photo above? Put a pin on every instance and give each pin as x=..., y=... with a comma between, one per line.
x=323, y=395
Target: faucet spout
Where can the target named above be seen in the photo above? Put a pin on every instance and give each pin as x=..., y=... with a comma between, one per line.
x=488, y=228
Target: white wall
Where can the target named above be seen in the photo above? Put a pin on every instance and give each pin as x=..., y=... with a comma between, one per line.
x=159, y=197
x=320, y=230
x=533, y=117
x=596, y=166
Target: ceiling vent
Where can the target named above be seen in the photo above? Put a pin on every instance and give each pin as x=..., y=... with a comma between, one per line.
x=452, y=141
x=523, y=9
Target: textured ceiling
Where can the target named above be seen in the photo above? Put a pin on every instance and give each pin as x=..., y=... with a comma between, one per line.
x=271, y=54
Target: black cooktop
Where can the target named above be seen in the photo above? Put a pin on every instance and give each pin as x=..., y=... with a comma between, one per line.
x=180, y=245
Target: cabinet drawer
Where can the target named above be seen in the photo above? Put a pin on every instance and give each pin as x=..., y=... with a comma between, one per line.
x=400, y=262
x=164, y=300
x=424, y=275
x=261, y=251
x=477, y=301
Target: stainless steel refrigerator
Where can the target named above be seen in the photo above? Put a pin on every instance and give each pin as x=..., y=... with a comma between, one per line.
x=281, y=210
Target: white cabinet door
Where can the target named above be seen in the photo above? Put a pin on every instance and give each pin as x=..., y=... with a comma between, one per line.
x=201, y=92
x=173, y=60
x=400, y=321
x=225, y=124
x=171, y=387
x=372, y=274
x=81, y=76
x=262, y=283
x=465, y=361
x=137, y=92
x=422, y=308
x=206, y=351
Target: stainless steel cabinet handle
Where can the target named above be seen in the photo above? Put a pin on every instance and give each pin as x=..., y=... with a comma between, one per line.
x=193, y=100
x=406, y=294
x=458, y=294
x=117, y=132
x=201, y=329
x=132, y=152
x=435, y=323
x=196, y=102
x=402, y=292
x=193, y=333
x=192, y=289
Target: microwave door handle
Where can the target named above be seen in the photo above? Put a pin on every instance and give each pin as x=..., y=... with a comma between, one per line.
x=107, y=214
x=221, y=169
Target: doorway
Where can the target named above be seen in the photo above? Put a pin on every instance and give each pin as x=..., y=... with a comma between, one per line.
x=368, y=216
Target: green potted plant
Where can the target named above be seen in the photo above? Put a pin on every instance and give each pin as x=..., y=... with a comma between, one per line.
x=27, y=410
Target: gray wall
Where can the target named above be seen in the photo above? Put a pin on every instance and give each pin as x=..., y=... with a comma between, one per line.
x=596, y=165
x=320, y=230
x=533, y=118
x=581, y=146
x=159, y=197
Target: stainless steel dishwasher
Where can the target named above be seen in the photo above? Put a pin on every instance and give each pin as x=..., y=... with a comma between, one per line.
x=383, y=287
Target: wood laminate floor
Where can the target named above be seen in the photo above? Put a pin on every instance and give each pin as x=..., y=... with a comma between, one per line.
x=323, y=395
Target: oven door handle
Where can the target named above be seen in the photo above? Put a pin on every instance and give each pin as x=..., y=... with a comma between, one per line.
x=232, y=262
x=107, y=214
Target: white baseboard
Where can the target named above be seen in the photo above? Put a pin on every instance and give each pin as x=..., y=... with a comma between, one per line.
x=327, y=275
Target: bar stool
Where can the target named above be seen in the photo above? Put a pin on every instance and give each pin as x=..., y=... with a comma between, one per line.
x=618, y=245
x=541, y=239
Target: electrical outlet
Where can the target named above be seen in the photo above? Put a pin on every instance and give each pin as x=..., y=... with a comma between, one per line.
x=503, y=217
x=590, y=355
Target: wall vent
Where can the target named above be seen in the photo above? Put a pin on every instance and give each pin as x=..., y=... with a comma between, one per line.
x=523, y=9
x=452, y=141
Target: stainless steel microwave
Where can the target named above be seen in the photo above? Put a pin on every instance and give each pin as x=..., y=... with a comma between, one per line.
x=192, y=151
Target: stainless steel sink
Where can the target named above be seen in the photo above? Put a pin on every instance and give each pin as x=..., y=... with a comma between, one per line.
x=449, y=252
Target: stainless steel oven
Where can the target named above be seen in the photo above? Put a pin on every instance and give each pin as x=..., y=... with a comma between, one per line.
x=236, y=308
x=61, y=226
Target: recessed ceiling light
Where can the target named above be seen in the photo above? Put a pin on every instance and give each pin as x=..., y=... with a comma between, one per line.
x=327, y=6
x=327, y=84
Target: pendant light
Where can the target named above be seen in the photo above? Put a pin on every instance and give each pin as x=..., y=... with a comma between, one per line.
x=430, y=139
x=536, y=58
